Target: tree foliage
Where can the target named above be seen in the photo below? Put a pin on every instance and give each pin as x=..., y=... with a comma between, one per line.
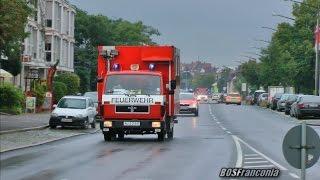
x=203, y=80
x=94, y=30
x=71, y=80
x=289, y=60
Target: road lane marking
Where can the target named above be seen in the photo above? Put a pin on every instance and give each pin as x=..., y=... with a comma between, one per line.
x=257, y=158
x=294, y=175
x=261, y=166
x=228, y=132
x=251, y=155
x=261, y=154
x=255, y=162
x=218, y=122
x=239, y=151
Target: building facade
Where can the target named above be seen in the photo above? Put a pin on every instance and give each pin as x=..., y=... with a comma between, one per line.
x=51, y=39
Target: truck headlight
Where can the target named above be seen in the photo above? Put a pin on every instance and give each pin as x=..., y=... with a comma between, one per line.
x=107, y=123
x=194, y=105
x=156, y=124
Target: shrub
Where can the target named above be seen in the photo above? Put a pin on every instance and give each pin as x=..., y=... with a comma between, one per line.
x=11, y=99
x=39, y=91
x=71, y=80
x=59, y=90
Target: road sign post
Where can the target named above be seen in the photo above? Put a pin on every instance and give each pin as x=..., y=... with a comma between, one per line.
x=301, y=147
x=303, y=150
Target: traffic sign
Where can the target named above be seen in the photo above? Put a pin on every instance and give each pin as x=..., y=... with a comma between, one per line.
x=293, y=145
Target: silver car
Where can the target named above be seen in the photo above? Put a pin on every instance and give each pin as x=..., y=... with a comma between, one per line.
x=73, y=111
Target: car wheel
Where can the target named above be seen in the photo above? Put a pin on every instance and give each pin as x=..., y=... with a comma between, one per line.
x=121, y=136
x=85, y=124
x=286, y=112
x=161, y=136
x=170, y=133
x=53, y=126
x=93, y=124
x=196, y=113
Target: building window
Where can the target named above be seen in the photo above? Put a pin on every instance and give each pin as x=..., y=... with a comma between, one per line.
x=48, y=56
x=48, y=47
x=49, y=22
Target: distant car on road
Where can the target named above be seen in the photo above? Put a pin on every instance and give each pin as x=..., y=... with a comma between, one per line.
x=216, y=97
x=274, y=100
x=73, y=111
x=306, y=105
x=233, y=98
x=93, y=95
x=188, y=104
x=291, y=99
x=263, y=99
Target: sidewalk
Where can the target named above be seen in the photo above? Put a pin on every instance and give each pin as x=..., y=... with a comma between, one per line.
x=28, y=120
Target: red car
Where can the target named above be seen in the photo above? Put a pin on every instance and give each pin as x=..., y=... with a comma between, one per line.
x=188, y=104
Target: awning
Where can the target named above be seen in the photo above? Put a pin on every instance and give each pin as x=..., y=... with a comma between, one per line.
x=5, y=74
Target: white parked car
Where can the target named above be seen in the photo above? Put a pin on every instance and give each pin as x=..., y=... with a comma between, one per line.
x=73, y=111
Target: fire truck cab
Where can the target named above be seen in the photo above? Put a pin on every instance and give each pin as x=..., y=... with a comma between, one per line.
x=138, y=90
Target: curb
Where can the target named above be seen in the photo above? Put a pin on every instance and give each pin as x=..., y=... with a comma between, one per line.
x=48, y=141
x=24, y=129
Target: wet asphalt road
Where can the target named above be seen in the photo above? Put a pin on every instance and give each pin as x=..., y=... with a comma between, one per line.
x=222, y=136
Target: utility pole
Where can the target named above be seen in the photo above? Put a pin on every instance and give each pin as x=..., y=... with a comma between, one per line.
x=317, y=59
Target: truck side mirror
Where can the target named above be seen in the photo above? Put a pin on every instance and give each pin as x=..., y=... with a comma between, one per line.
x=173, y=84
x=99, y=79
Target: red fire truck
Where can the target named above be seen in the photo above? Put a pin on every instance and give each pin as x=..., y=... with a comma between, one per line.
x=138, y=90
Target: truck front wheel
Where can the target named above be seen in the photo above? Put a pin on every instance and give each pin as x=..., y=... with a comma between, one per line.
x=161, y=136
x=170, y=133
x=108, y=136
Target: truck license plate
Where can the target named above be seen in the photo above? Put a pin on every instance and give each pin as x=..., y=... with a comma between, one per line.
x=66, y=120
x=128, y=123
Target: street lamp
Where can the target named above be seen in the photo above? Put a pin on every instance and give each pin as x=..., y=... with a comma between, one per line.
x=261, y=40
x=265, y=27
x=286, y=17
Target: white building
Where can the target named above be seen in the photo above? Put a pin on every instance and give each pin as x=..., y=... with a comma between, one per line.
x=51, y=38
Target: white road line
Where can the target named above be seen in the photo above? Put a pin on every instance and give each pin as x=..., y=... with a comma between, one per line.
x=255, y=162
x=223, y=128
x=239, y=151
x=294, y=175
x=261, y=166
x=251, y=155
x=256, y=158
x=228, y=132
x=261, y=154
x=218, y=122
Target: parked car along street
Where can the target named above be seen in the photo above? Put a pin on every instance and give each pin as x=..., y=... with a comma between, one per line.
x=73, y=111
x=282, y=102
x=306, y=106
x=274, y=100
x=291, y=99
x=256, y=95
x=263, y=99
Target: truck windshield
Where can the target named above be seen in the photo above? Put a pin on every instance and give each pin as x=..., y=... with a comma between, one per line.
x=133, y=84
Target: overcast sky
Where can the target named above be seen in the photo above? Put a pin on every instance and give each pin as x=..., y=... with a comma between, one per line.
x=217, y=31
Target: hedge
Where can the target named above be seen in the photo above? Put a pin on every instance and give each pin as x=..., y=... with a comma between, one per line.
x=12, y=99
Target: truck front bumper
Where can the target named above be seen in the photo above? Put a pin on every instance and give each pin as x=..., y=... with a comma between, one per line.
x=137, y=126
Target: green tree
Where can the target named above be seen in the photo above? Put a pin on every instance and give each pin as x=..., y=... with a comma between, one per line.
x=203, y=80
x=13, y=18
x=223, y=78
x=59, y=90
x=94, y=30
x=71, y=80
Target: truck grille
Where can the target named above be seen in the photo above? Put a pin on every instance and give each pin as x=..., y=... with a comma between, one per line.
x=136, y=109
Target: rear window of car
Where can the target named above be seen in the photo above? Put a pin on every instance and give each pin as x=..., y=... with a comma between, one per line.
x=264, y=95
x=284, y=97
x=310, y=98
x=277, y=95
x=292, y=97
